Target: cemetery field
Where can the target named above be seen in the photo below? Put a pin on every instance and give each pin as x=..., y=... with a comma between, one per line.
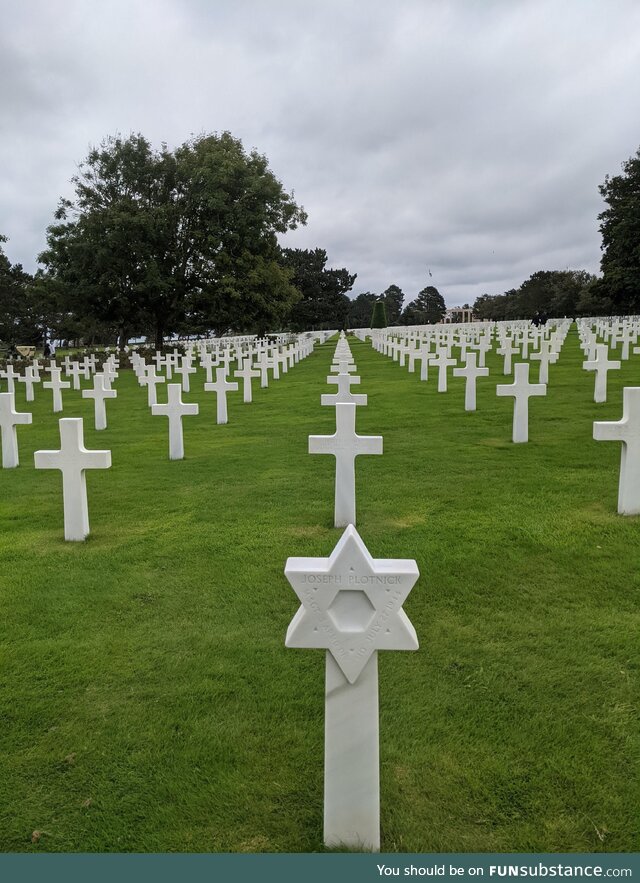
x=147, y=701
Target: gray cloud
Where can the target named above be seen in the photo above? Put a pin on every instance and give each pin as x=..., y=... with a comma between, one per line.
x=465, y=138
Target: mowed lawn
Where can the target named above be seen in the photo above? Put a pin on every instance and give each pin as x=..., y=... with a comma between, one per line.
x=147, y=701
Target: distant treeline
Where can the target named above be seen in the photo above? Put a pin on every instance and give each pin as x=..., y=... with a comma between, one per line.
x=547, y=293
x=162, y=242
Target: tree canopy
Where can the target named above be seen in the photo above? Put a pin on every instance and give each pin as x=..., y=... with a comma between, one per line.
x=548, y=292
x=427, y=309
x=324, y=303
x=156, y=239
x=361, y=309
x=20, y=320
x=393, y=298
x=620, y=228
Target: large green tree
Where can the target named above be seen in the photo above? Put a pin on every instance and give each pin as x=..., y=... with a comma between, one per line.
x=379, y=314
x=19, y=321
x=393, y=298
x=427, y=309
x=161, y=240
x=361, y=310
x=324, y=303
x=620, y=228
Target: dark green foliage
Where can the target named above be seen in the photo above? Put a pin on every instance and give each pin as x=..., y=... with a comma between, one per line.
x=393, y=298
x=556, y=293
x=158, y=239
x=18, y=315
x=324, y=303
x=360, y=310
x=379, y=315
x=620, y=228
x=427, y=309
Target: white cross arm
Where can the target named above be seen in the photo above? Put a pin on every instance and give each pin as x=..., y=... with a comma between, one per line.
x=357, y=444
x=87, y=459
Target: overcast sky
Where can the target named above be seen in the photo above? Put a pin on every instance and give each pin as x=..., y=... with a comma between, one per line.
x=466, y=138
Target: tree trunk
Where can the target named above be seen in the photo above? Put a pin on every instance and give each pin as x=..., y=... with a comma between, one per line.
x=159, y=337
x=123, y=338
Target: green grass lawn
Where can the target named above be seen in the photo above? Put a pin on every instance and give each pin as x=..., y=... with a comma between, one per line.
x=147, y=701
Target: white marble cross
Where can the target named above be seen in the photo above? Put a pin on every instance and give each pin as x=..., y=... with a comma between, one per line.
x=263, y=365
x=221, y=387
x=343, y=365
x=73, y=459
x=508, y=350
x=30, y=377
x=344, y=393
x=150, y=379
x=345, y=445
x=627, y=431
x=601, y=365
x=74, y=370
x=10, y=376
x=283, y=359
x=424, y=354
x=521, y=390
x=175, y=409
x=412, y=353
x=184, y=368
x=274, y=363
x=9, y=419
x=544, y=356
x=56, y=385
x=627, y=336
x=247, y=372
x=351, y=607
x=99, y=393
x=483, y=346
x=441, y=362
x=471, y=373
x=109, y=373
x=207, y=362
x=88, y=364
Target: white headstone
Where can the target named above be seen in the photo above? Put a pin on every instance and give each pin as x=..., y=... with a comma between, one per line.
x=247, y=372
x=345, y=445
x=175, y=409
x=10, y=376
x=30, y=377
x=74, y=370
x=441, y=362
x=627, y=431
x=9, y=419
x=471, y=373
x=351, y=607
x=601, y=365
x=508, y=350
x=263, y=365
x=73, y=459
x=521, y=390
x=99, y=394
x=150, y=379
x=221, y=387
x=184, y=368
x=344, y=394
x=56, y=385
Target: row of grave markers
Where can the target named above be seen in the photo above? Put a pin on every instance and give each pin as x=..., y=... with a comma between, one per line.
x=73, y=458
x=351, y=607
x=514, y=339
x=351, y=604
